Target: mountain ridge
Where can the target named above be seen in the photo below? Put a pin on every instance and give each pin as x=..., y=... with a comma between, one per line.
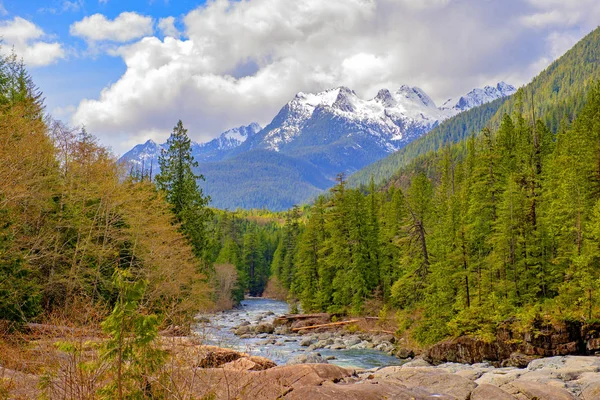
x=333, y=130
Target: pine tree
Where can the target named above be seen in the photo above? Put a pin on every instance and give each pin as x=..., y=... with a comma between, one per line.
x=180, y=184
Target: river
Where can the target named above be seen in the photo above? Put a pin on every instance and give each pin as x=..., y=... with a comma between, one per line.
x=218, y=330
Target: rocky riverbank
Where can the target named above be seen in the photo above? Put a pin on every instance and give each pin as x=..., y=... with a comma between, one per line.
x=277, y=331
x=224, y=373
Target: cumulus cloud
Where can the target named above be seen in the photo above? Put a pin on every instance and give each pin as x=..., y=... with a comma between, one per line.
x=126, y=27
x=27, y=39
x=167, y=27
x=240, y=61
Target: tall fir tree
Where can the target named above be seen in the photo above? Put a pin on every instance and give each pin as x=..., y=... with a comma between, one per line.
x=178, y=180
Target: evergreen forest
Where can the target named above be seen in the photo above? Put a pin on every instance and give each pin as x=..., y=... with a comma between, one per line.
x=505, y=223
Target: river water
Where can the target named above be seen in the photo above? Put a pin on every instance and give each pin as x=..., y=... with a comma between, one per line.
x=218, y=331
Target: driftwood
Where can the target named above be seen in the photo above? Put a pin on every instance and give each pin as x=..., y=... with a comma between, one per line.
x=382, y=331
x=352, y=321
x=291, y=318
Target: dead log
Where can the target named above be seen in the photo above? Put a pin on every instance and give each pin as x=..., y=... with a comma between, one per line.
x=352, y=321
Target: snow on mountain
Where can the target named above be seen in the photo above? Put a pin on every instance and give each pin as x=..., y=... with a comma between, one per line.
x=392, y=118
x=146, y=155
x=477, y=97
x=232, y=138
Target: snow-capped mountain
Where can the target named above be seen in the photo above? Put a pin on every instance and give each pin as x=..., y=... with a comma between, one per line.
x=232, y=138
x=311, y=139
x=390, y=119
x=144, y=156
x=477, y=97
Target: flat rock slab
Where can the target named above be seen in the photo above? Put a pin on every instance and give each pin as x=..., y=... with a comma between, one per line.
x=363, y=391
x=540, y=391
x=591, y=392
x=269, y=384
x=489, y=392
x=431, y=381
x=582, y=363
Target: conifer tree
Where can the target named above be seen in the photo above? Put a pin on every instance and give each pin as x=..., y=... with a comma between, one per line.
x=178, y=180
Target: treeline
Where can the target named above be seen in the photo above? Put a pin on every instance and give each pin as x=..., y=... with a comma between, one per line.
x=246, y=240
x=69, y=220
x=504, y=224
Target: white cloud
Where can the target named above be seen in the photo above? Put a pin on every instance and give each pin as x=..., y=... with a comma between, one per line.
x=126, y=27
x=28, y=42
x=3, y=10
x=240, y=61
x=562, y=13
x=167, y=27
x=74, y=6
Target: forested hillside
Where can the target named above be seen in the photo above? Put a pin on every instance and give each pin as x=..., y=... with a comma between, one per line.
x=68, y=222
x=503, y=224
x=71, y=218
x=557, y=93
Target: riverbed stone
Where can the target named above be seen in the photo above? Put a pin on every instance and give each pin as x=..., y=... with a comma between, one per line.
x=265, y=328
x=307, y=341
x=309, y=358
x=388, y=338
x=242, y=330
x=352, y=341
x=404, y=353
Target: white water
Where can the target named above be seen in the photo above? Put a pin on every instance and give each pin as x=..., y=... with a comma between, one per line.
x=219, y=332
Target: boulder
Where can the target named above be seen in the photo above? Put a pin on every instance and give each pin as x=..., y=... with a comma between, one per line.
x=403, y=352
x=416, y=363
x=433, y=381
x=307, y=358
x=518, y=360
x=273, y=383
x=307, y=341
x=500, y=377
x=489, y=392
x=582, y=363
x=591, y=391
x=540, y=391
x=352, y=341
x=265, y=328
x=363, y=391
x=243, y=330
x=383, y=338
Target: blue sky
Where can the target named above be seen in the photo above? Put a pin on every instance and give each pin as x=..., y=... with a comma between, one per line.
x=80, y=75
x=128, y=70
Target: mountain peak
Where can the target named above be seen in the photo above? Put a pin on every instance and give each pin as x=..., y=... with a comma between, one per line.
x=384, y=96
x=478, y=96
x=504, y=87
x=415, y=94
x=344, y=99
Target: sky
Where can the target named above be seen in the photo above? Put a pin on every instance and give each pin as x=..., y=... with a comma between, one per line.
x=129, y=70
